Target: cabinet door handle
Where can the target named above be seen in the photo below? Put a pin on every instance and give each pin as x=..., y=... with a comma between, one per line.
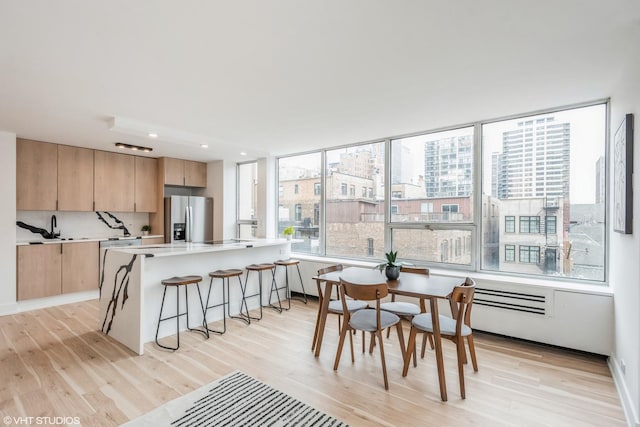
x=60, y=248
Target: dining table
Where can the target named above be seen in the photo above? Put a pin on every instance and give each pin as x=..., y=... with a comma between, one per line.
x=423, y=287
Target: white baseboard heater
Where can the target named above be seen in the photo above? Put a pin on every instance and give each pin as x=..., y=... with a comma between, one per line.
x=510, y=300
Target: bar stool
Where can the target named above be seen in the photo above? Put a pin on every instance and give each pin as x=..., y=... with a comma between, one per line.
x=259, y=268
x=225, y=275
x=286, y=263
x=177, y=282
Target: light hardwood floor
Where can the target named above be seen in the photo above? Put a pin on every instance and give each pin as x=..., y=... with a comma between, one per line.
x=53, y=362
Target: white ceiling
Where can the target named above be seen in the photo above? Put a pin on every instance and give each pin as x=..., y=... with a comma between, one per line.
x=283, y=76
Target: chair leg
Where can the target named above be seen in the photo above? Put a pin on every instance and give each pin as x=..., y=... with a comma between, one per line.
x=472, y=352
x=461, y=356
x=315, y=332
x=400, y=334
x=424, y=343
x=384, y=364
x=388, y=332
x=353, y=359
x=410, y=347
x=372, y=343
x=343, y=333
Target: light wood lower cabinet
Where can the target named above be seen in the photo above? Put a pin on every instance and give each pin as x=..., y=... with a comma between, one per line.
x=39, y=271
x=80, y=266
x=51, y=269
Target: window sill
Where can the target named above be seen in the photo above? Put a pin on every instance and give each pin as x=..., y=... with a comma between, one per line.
x=584, y=288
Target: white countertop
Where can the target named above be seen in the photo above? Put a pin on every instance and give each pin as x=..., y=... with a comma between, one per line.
x=82, y=239
x=173, y=249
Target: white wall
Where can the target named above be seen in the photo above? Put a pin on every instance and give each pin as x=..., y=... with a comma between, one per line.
x=625, y=250
x=8, y=220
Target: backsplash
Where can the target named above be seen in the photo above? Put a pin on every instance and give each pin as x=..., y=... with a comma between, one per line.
x=80, y=224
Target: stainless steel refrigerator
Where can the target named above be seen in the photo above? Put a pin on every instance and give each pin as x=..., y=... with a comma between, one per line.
x=188, y=219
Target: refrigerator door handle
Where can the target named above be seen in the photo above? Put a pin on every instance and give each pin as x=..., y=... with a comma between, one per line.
x=190, y=224
x=187, y=225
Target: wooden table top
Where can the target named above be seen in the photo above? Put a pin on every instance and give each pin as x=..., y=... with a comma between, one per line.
x=408, y=284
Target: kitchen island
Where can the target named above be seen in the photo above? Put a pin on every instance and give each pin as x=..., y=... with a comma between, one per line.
x=131, y=292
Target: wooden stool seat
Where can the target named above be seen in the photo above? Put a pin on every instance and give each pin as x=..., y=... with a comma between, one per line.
x=260, y=267
x=287, y=262
x=181, y=280
x=223, y=274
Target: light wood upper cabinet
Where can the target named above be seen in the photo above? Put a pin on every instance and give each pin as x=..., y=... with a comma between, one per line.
x=36, y=175
x=145, y=185
x=185, y=173
x=173, y=171
x=39, y=271
x=114, y=185
x=195, y=174
x=80, y=263
x=75, y=178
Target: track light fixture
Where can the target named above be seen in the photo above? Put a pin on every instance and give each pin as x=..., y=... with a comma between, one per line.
x=134, y=147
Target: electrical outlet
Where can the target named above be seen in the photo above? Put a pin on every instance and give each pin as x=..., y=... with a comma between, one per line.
x=623, y=367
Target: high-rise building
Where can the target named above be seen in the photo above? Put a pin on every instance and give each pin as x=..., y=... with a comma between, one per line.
x=449, y=166
x=535, y=160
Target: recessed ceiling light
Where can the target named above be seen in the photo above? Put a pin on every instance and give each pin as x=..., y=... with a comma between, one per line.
x=204, y=146
x=153, y=135
x=242, y=153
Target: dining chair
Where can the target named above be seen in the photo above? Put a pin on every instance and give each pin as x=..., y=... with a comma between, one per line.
x=335, y=306
x=372, y=320
x=407, y=310
x=455, y=328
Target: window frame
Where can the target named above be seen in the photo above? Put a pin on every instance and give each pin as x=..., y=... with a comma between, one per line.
x=475, y=225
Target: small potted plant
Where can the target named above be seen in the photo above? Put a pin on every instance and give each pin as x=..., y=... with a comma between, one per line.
x=145, y=229
x=288, y=232
x=392, y=267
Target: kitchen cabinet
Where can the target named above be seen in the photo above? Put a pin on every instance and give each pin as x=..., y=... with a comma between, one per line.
x=185, y=173
x=173, y=171
x=195, y=174
x=114, y=182
x=54, y=268
x=75, y=178
x=80, y=266
x=146, y=175
x=36, y=175
x=39, y=271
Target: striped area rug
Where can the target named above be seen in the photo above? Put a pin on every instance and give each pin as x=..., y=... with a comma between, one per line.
x=236, y=400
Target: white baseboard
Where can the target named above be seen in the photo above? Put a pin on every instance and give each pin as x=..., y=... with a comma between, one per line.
x=35, y=304
x=623, y=391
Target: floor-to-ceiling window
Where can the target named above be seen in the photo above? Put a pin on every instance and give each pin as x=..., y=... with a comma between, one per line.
x=354, y=200
x=432, y=191
x=545, y=176
x=299, y=199
x=525, y=195
x=246, y=197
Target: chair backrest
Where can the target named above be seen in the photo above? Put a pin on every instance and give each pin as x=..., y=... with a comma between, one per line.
x=330, y=269
x=462, y=299
x=415, y=270
x=362, y=292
